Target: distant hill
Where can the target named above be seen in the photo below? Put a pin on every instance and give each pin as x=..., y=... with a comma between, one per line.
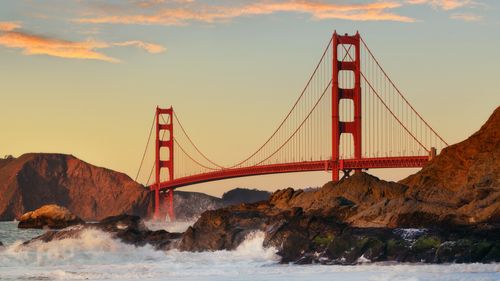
x=243, y=195
x=191, y=204
x=188, y=205
x=90, y=192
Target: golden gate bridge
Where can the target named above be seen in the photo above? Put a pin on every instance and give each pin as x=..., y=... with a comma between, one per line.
x=349, y=116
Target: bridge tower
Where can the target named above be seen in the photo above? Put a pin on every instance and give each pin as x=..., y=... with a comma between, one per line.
x=353, y=65
x=167, y=129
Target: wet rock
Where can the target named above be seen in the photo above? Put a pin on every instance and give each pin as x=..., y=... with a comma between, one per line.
x=223, y=229
x=50, y=216
x=126, y=228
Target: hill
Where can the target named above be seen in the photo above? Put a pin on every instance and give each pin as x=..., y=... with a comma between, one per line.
x=90, y=192
x=244, y=195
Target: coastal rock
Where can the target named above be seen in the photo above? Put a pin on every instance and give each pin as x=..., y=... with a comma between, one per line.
x=223, y=229
x=51, y=216
x=462, y=245
x=128, y=229
x=343, y=199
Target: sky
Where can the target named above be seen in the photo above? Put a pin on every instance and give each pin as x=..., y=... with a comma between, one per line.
x=84, y=77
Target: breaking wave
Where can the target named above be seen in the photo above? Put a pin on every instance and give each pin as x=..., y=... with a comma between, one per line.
x=95, y=255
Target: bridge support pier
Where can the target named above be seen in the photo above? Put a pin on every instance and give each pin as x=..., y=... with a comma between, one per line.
x=167, y=127
x=348, y=63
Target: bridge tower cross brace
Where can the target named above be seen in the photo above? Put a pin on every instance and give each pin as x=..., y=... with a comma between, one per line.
x=347, y=63
x=160, y=163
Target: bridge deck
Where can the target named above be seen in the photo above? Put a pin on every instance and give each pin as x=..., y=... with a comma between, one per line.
x=365, y=163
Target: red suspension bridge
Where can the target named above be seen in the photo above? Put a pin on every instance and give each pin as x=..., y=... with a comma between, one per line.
x=349, y=116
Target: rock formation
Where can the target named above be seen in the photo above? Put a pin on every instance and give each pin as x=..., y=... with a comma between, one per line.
x=50, y=216
x=126, y=228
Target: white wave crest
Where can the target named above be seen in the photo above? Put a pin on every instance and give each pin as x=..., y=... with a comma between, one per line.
x=92, y=246
x=95, y=255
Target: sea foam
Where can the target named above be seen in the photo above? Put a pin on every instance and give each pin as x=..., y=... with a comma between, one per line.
x=95, y=255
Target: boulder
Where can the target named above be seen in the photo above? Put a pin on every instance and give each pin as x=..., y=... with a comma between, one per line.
x=50, y=216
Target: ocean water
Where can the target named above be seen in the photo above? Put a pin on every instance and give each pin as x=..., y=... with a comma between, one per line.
x=96, y=256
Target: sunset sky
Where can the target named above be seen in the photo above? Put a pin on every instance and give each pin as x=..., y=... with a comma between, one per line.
x=84, y=77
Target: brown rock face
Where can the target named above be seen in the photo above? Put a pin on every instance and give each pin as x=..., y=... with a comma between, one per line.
x=51, y=216
x=465, y=176
x=341, y=199
x=90, y=192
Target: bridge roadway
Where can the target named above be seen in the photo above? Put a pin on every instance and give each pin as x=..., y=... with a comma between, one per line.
x=306, y=166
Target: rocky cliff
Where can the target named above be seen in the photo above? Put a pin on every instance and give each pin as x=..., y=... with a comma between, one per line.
x=90, y=192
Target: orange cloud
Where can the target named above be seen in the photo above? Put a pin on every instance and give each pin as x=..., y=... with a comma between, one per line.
x=444, y=4
x=376, y=11
x=149, y=47
x=8, y=25
x=40, y=45
x=466, y=17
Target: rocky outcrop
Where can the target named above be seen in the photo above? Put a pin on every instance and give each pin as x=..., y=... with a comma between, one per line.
x=126, y=228
x=343, y=200
x=302, y=237
x=90, y=192
x=49, y=216
x=361, y=245
x=225, y=229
